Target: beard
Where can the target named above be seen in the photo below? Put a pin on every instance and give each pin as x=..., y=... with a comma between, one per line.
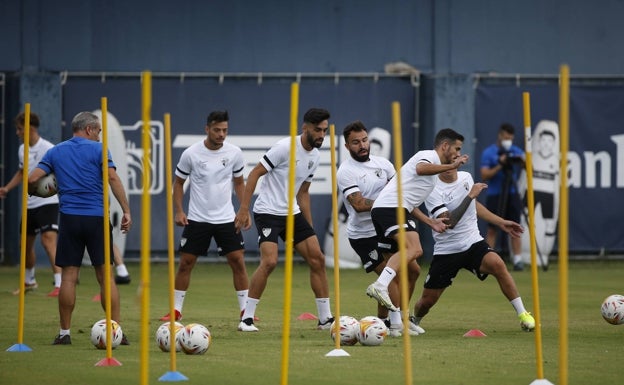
x=362, y=156
x=314, y=143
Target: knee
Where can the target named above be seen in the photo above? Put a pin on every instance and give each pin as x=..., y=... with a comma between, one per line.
x=317, y=262
x=268, y=264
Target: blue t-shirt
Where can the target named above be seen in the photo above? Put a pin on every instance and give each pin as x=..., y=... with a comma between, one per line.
x=489, y=159
x=77, y=163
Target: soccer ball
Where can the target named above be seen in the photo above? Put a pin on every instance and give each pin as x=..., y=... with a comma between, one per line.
x=612, y=309
x=163, y=336
x=98, y=334
x=46, y=186
x=349, y=329
x=195, y=339
x=373, y=331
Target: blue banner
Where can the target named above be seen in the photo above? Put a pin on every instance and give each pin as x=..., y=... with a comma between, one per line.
x=596, y=150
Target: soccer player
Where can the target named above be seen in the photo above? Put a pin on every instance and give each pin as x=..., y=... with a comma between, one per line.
x=271, y=210
x=462, y=246
x=418, y=178
x=77, y=163
x=213, y=167
x=360, y=179
x=42, y=213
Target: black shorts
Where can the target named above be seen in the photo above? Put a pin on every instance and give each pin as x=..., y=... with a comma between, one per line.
x=513, y=211
x=270, y=227
x=367, y=250
x=444, y=268
x=196, y=238
x=42, y=219
x=385, y=222
x=77, y=232
x=547, y=201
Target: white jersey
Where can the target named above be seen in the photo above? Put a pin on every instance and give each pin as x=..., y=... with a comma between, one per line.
x=273, y=192
x=447, y=197
x=211, y=173
x=35, y=154
x=369, y=178
x=415, y=187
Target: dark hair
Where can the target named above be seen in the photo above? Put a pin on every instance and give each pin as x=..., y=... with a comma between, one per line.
x=20, y=119
x=356, y=126
x=217, y=117
x=447, y=135
x=508, y=128
x=315, y=115
x=547, y=132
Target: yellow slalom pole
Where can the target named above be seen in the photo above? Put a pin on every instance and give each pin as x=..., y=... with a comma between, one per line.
x=290, y=232
x=526, y=104
x=109, y=360
x=172, y=375
x=22, y=271
x=398, y=163
x=564, y=124
x=337, y=352
x=146, y=99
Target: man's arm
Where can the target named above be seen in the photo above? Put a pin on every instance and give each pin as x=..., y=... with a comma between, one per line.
x=425, y=168
x=437, y=224
x=239, y=190
x=14, y=182
x=459, y=212
x=33, y=178
x=243, y=220
x=510, y=227
x=303, y=199
x=359, y=203
x=120, y=195
x=178, y=193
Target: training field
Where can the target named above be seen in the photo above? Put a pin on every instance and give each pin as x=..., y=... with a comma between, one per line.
x=441, y=356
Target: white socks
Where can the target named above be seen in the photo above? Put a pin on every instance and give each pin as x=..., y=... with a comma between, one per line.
x=241, y=295
x=250, y=308
x=518, y=305
x=323, y=309
x=30, y=276
x=386, y=276
x=57, y=280
x=395, y=319
x=121, y=270
x=178, y=299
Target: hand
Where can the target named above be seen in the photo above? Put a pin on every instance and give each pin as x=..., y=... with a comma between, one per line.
x=439, y=225
x=512, y=228
x=3, y=192
x=181, y=219
x=126, y=222
x=242, y=220
x=462, y=159
x=476, y=190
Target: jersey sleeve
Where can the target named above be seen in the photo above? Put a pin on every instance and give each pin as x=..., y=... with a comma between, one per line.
x=347, y=183
x=435, y=204
x=239, y=164
x=184, y=166
x=275, y=156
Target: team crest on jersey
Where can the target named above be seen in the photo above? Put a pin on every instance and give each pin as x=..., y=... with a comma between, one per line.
x=466, y=187
x=266, y=231
x=182, y=242
x=310, y=164
x=378, y=173
x=224, y=161
x=411, y=223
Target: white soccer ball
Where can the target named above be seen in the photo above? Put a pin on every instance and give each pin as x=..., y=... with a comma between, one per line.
x=373, y=331
x=349, y=329
x=612, y=309
x=195, y=339
x=163, y=336
x=98, y=334
x=46, y=186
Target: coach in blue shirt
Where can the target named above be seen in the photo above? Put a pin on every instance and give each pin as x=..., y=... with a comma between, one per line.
x=501, y=163
x=77, y=164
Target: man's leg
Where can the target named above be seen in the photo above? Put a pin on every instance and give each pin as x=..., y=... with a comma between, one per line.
x=259, y=279
x=48, y=240
x=67, y=294
x=236, y=260
x=115, y=306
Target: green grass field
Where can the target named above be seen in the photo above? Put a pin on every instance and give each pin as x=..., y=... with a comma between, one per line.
x=441, y=356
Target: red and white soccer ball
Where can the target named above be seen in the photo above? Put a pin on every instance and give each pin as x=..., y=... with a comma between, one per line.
x=46, y=186
x=373, y=331
x=98, y=334
x=612, y=309
x=195, y=339
x=349, y=330
x=163, y=336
